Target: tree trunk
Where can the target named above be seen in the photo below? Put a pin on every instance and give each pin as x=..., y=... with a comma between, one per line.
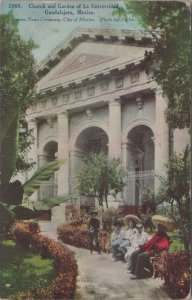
x=185, y=238
x=106, y=201
x=185, y=234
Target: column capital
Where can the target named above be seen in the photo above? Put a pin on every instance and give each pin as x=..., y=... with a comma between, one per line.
x=32, y=121
x=49, y=120
x=115, y=102
x=63, y=114
x=124, y=144
x=157, y=90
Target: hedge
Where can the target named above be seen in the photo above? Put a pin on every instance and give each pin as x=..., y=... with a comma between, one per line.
x=63, y=287
x=174, y=269
x=76, y=234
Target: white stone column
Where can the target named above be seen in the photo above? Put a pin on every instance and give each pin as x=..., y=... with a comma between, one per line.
x=115, y=128
x=161, y=136
x=75, y=157
x=63, y=153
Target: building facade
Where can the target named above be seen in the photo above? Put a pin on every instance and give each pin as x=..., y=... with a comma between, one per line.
x=93, y=94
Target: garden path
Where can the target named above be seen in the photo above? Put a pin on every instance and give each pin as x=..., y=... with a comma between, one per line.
x=102, y=279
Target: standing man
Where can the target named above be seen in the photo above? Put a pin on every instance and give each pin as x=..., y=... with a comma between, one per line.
x=93, y=229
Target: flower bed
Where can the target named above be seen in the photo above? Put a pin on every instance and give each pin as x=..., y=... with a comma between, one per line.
x=174, y=268
x=63, y=287
x=76, y=234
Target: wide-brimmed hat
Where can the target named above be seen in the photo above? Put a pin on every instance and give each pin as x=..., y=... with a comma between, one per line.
x=165, y=221
x=133, y=218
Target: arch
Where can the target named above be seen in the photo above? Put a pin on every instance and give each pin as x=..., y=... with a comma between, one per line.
x=45, y=142
x=84, y=126
x=140, y=158
x=50, y=148
x=138, y=122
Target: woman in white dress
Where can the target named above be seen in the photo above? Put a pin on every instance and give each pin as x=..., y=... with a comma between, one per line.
x=129, y=234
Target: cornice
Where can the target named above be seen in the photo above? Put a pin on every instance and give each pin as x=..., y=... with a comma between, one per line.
x=114, y=36
x=114, y=71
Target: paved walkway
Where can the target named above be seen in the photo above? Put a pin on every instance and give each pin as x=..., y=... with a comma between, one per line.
x=102, y=279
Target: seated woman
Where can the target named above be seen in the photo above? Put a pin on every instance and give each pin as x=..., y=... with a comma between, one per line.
x=116, y=239
x=129, y=234
x=140, y=238
x=160, y=241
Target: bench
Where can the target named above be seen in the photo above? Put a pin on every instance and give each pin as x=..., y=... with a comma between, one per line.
x=158, y=262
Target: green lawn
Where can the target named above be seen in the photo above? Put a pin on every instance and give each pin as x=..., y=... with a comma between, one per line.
x=177, y=243
x=22, y=270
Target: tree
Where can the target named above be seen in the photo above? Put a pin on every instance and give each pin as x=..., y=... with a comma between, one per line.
x=174, y=189
x=17, y=83
x=100, y=175
x=170, y=60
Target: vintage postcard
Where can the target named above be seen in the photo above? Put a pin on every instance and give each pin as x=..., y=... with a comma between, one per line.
x=95, y=149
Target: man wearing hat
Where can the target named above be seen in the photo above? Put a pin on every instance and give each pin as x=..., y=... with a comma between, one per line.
x=160, y=241
x=93, y=229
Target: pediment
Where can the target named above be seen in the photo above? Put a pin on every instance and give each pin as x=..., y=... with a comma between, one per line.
x=81, y=62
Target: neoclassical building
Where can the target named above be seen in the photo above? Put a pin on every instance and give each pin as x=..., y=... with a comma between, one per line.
x=93, y=94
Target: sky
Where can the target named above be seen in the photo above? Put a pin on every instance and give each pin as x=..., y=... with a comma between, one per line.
x=49, y=22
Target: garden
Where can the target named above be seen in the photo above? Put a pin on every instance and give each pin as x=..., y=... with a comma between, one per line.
x=173, y=267
x=35, y=267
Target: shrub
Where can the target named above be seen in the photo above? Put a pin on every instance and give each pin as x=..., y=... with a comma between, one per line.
x=78, y=236
x=174, y=268
x=63, y=287
x=177, y=274
x=109, y=216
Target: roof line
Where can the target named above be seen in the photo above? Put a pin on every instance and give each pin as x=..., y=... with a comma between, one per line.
x=78, y=35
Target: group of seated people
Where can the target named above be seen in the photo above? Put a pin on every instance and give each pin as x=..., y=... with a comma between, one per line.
x=135, y=246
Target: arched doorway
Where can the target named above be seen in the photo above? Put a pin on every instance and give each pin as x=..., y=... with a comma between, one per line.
x=49, y=188
x=140, y=162
x=92, y=139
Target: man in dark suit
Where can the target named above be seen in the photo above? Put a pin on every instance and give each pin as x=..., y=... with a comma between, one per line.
x=93, y=230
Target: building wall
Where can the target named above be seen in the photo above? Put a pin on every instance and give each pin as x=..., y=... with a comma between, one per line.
x=181, y=140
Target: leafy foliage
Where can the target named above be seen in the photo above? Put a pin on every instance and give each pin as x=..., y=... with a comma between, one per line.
x=109, y=217
x=22, y=270
x=99, y=175
x=35, y=209
x=175, y=190
x=174, y=268
x=170, y=61
x=63, y=287
x=76, y=234
x=17, y=82
x=41, y=175
x=14, y=206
